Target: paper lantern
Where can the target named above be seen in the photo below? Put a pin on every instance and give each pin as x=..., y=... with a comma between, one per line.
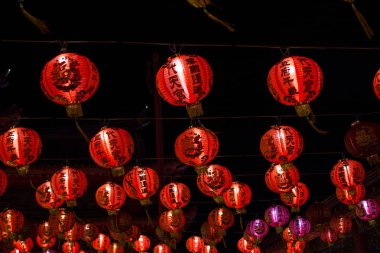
x=368, y=210
x=162, y=248
x=279, y=179
x=277, y=216
x=196, y=146
x=215, y=181
x=45, y=231
x=194, y=244
x=221, y=217
x=281, y=144
x=208, y=249
x=69, y=184
x=141, y=183
x=47, y=198
x=75, y=233
x=19, y=147
x=12, y=221
x=296, y=247
x=299, y=226
x=142, y=244
x=101, y=243
x=318, y=214
x=184, y=80
x=256, y=229
x=175, y=195
x=112, y=148
x=211, y=235
x=24, y=245
x=3, y=182
x=296, y=197
x=115, y=247
x=342, y=224
x=62, y=221
x=111, y=197
x=346, y=173
x=238, y=196
x=70, y=247
x=350, y=196
x=296, y=81
x=45, y=243
x=376, y=84
x=328, y=235
x=171, y=221
x=90, y=232
x=288, y=236
x=244, y=245
x=69, y=79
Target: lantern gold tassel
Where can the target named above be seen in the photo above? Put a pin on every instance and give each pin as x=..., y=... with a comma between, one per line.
x=367, y=29
x=194, y=110
x=304, y=110
x=41, y=25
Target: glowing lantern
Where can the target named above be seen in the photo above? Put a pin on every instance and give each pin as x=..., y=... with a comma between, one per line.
x=256, y=229
x=11, y=221
x=362, y=140
x=141, y=183
x=110, y=196
x=161, y=248
x=208, y=249
x=211, y=235
x=376, y=84
x=171, y=221
x=70, y=247
x=215, y=181
x=196, y=146
x=299, y=226
x=328, y=235
x=20, y=147
x=318, y=214
x=346, y=173
x=368, y=209
x=112, y=148
x=184, y=80
x=277, y=216
x=221, y=217
x=238, y=196
x=119, y=222
x=62, y=221
x=142, y=244
x=244, y=245
x=115, y=247
x=194, y=244
x=281, y=144
x=47, y=198
x=296, y=197
x=3, y=182
x=69, y=184
x=296, y=81
x=101, y=243
x=70, y=79
x=24, y=246
x=90, y=232
x=342, y=224
x=175, y=195
x=45, y=243
x=288, y=236
x=296, y=247
x=279, y=179
x=350, y=196
x=45, y=231
x=75, y=233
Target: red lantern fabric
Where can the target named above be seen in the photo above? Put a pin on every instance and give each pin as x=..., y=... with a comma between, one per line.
x=350, y=196
x=75, y=233
x=19, y=147
x=196, y=146
x=45, y=231
x=24, y=246
x=376, y=84
x=175, y=195
x=296, y=247
x=120, y=221
x=62, y=221
x=342, y=224
x=112, y=148
x=12, y=221
x=102, y=242
x=221, y=217
x=346, y=173
x=215, y=181
x=208, y=249
x=368, y=210
x=295, y=81
x=69, y=79
x=45, y=243
x=70, y=247
x=194, y=244
x=47, y=198
x=162, y=248
x=328, y=235
x=277, y=216
x=288, y=236
x=115, y=247
x=142, y=244
x=244, y=245
x=130, y=235
x=184, y=80
x=296, y=197
x=318, y=214
x=281, y=179
x=172, y=221
x=238, y=196
x=281, y=144
x=3, y=182
x=141, y=183
x=90, y=232
x=111, y=197
x=170, y=239
x=211, y=235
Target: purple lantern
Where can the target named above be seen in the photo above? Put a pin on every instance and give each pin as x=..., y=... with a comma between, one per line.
x=257, y=229
x=368, y=209
x=300, y=226
x=277, y=216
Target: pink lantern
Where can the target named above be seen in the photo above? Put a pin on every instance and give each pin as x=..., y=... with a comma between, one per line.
x=300, y=226
x=368, y=209
x=277, y=216
x=257, y=229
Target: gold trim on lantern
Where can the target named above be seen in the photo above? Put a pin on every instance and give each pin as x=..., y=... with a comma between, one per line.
x=53, y=211
x=279, y=229
x=23, y=170
x=145, y=202
x=71, y=203
x=200, y=169
x=74, y=110
x=194, y=110
x=118, y=171
x=111, y=212
x=219, y=199
x=286, y=166
x=373, y=160
x=303, y=110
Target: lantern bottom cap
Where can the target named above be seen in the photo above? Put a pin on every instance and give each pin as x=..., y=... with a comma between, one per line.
x=74, y=110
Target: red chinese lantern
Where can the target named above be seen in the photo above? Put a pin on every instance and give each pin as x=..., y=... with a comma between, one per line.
x=3, y=182
x=288, y=236
x=277, y=216
x=208, y=249
x=171, y=221
x=45, y=231
x=119, y=222
x=296, y=197
x=256, y=230
x=368, y=210
x=69, y=184
x=196, y=146
x=346, y=173
x=244, y=245
x=215, y=181
x=296, y=247
x=211, y=235
x=141, y=183
x=279, y=179
x=342, y=224
x=299, y=226
x=24, y=246
x=221, y=217
x=376, y=84
x=47, y=198
x=161, y=248
x=281, y=144
x=362, y=140
x=112, y=148
x=238, y=196
x=70, y=79
x=12, y=221
x=194, y=244
x=90, y=232
x=62, y=221
x=110, y=196
x=142, y=244
x=75, y=233
x=20, y=146
x=45, y=243
x=101, y=243
x=318, y=214
x=70, y=247
x=328, y=235
x=175, y=195
x=184, y=80
x=115, y=247
x=350, y=196
x=296, y=81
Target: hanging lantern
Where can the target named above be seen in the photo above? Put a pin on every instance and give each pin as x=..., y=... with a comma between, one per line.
x=168, y=238
x=238, y=196
x=342, y=224
x=172, y=222
x=281, y=145
x=362, y=140
x=69, y=79
x=69, y=184
x=161, y=248
x=62, y=221
x=11, y=221
x=299, y=226
x=90, y=232
x=296, y=247
x=208, y=249
x=47, y=198
x=221, y=217
x=368, y=210
x=70, y=247
x=45, y=243
x=296, y=197
x=288, y=236
x=112, y=148
x=346, y=173
x=296, y=81
x=215, y=181
x=184, y=80
x=141, y=183
x=101, y=243
x=121, y=221
x=175, y=195
x=277, y=216
x=110, y=196
x=256, y=230
x=45, y=231
x=194, y=244
x=142, y=244
x=328, y=235
x=350, y=196
x=74, y=234
x=318, y=214
x=3, y=182
x=244, y=245
x=20, y=147
x=279, y=179
x=24, y=246
x=115, y=247
x=211, y=235
x=196, y=146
